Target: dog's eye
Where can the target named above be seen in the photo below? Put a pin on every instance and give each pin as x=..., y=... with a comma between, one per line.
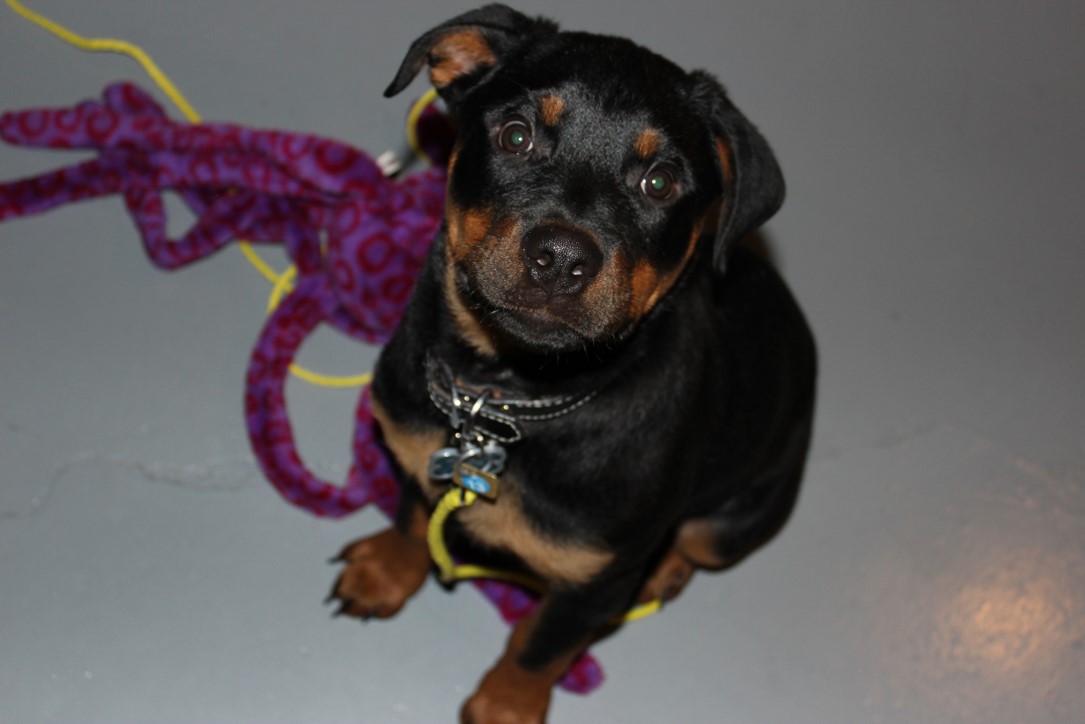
x=661, y=183
x=515, y=137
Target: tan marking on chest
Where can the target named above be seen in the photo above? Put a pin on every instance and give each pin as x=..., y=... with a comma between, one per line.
x=411, y=448
x=502, y=525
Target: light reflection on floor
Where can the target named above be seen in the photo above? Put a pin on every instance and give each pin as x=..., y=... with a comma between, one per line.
x=981, y=611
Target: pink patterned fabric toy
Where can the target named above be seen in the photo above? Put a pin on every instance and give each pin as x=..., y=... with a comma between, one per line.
x=300, y=190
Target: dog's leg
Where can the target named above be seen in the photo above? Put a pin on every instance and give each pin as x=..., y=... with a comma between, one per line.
x=670, y=576
x=384, y=570
x=511, y=692
x=741, y=526
x=541, y=648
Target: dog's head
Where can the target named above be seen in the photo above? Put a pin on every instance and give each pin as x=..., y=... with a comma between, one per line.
x=586, y=173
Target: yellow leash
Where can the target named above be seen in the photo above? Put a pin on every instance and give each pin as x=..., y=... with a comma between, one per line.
x=110, y=45
x=449, y=571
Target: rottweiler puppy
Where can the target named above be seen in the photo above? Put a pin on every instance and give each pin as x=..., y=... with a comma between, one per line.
x=588, y=337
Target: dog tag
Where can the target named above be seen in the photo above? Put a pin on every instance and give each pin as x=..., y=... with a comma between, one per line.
x=475, y=479
x=494, y=457
x=443, y=463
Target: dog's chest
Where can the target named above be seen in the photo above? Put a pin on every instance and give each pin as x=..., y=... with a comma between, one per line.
x=500, y=523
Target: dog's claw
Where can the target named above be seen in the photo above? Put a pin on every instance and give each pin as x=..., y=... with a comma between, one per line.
x=381, y=572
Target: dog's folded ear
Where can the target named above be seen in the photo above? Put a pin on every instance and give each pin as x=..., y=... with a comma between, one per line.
x=752, y=181
x=463, y=51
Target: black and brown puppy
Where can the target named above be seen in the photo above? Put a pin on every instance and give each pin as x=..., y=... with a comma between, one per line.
x=651, y=382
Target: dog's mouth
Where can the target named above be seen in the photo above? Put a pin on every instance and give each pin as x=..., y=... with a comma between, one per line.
x=518, y=315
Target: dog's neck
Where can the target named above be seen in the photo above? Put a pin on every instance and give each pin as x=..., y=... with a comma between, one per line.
x=501, y=413
x=514, y=374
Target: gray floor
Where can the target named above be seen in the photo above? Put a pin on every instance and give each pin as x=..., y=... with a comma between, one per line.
x=934, y=232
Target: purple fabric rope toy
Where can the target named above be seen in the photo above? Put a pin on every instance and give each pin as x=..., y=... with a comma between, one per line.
x=300, y=190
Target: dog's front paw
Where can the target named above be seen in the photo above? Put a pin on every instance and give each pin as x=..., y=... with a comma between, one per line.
x=507, y=699
x=381, y=572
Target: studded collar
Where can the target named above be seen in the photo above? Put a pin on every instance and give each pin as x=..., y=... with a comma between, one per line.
x=501, y=416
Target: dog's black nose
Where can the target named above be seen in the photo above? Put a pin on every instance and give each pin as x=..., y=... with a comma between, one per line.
x=560, y=260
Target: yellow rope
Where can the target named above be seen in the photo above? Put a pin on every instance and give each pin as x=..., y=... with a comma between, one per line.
x=642, y=610
x=283, y=285
x=283, y=282
x=110, y=45
x=412, y=122
x=447, y=569
x=450, y=572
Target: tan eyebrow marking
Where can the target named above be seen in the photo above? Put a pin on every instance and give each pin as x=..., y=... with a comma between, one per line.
x=648, y=142
x=550, y=109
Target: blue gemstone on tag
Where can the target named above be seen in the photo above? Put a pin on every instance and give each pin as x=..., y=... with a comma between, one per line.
x=475, y=483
